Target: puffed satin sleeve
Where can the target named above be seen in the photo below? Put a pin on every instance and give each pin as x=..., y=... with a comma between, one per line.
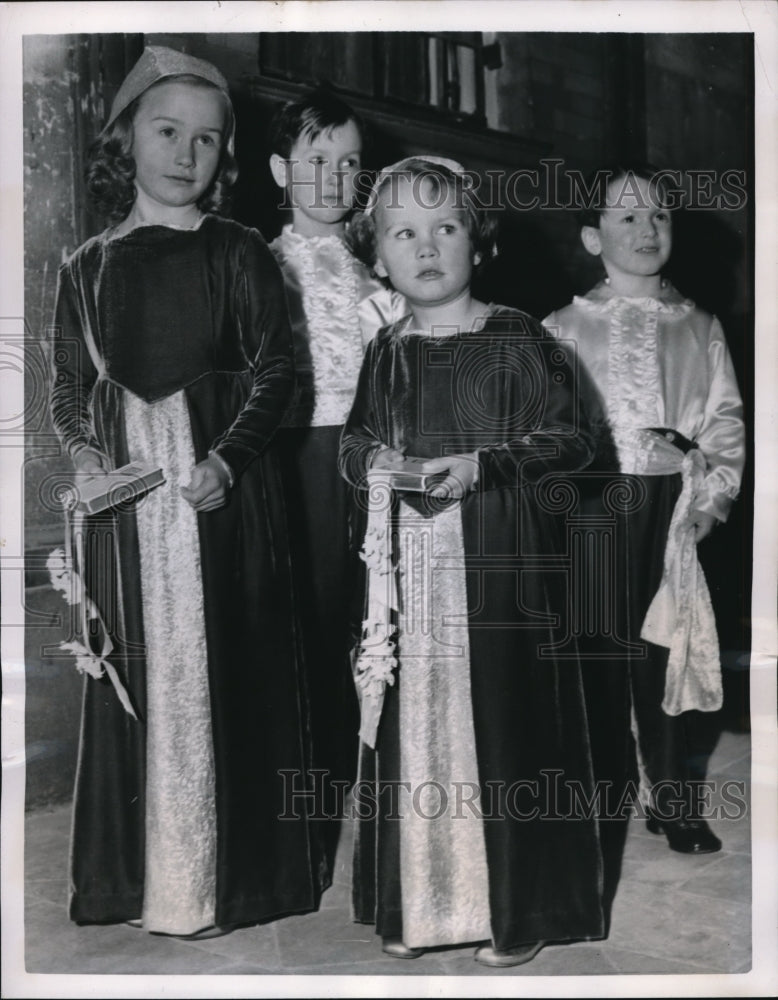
x=74, y=374
x=381, y=308
x=260, y=310
x=722, y=435
x=560, y=438
x=361, y=439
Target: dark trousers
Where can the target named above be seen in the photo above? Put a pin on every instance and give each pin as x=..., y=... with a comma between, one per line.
x=624, y=691
x=323, y=569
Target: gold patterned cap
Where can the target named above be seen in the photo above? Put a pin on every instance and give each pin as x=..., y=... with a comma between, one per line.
x=157, y=63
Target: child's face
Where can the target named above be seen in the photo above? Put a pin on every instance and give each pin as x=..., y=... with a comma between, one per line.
x=320, y=176
x=422, y=242
x=178, y=133
x=635, y=235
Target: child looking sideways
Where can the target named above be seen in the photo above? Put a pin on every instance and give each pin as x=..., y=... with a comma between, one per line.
x=336, y=306
x=176, y=352
x=665, y=379
x=458, y=686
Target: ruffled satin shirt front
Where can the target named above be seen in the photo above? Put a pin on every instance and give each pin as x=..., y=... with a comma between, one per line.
x=661, y=362
x=336, y=307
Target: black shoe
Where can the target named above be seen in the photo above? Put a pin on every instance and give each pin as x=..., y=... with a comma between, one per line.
x=688, y=836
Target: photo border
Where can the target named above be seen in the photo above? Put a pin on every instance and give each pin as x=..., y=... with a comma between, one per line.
x=693, y=16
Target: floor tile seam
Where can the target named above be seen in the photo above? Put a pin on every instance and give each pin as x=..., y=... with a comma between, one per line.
x=707, y=967
x=717, y=860
x=676, y=885
x=714, y=897
x=621, y=940
x=682, y=895
x=724, y=773
x=225, y=956
x=215, y=946
x=618, y=949
x=732, y=902
x=363, y=965
x=257, y=970
x=703, y=969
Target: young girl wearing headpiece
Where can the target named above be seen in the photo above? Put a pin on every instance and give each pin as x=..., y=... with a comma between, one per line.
x=175, y=351
x=473, y=732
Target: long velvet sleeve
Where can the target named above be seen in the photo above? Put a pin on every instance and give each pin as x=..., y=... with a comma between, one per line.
x=361, y=438
x=560, y=439
x=533, y=420
x=260, y=309
x=74, y=374
x=722, y=435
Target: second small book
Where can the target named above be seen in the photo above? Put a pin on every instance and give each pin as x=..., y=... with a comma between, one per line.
x=411, y=477
x=93, y=494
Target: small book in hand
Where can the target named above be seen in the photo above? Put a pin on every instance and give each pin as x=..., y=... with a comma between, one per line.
x=411, y=477
x=93, y=494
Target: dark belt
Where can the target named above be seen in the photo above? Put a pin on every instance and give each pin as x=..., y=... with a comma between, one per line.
x=674, y=437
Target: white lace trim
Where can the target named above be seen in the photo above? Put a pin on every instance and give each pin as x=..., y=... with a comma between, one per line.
x=326, y=274
x=634, y=389
x=376, y=659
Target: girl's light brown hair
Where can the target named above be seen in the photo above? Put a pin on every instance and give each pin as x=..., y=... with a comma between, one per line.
x=110, y=170
x=481, y=225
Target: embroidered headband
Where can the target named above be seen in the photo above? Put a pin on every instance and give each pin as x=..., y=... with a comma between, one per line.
x=400, y=166
x=158, y=63
x=397, y=168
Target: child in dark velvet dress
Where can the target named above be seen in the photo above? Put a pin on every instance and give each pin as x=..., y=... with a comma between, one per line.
x=461, y=694
x=175, y=350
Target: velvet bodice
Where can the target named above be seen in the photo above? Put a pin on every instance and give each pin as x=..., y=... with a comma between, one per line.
x=161, y=310
x=506, y=391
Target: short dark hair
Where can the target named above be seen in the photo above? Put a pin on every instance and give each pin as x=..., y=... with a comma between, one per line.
x=481, y=225
x=315, y=112
x=110, y=170
x=598, y=181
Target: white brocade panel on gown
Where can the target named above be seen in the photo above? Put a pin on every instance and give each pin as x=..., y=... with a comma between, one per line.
x=445, y=894
x=179, y=889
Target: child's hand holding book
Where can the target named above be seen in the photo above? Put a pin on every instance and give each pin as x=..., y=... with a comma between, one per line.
x=387, y=458
x=91, y=462
x=461, y=475
x=447, y=478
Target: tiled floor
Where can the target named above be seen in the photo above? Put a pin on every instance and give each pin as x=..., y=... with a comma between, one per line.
x=672, y=913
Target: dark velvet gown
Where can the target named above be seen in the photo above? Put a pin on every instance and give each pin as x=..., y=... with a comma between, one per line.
x=509, y=393
x=146, y=320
